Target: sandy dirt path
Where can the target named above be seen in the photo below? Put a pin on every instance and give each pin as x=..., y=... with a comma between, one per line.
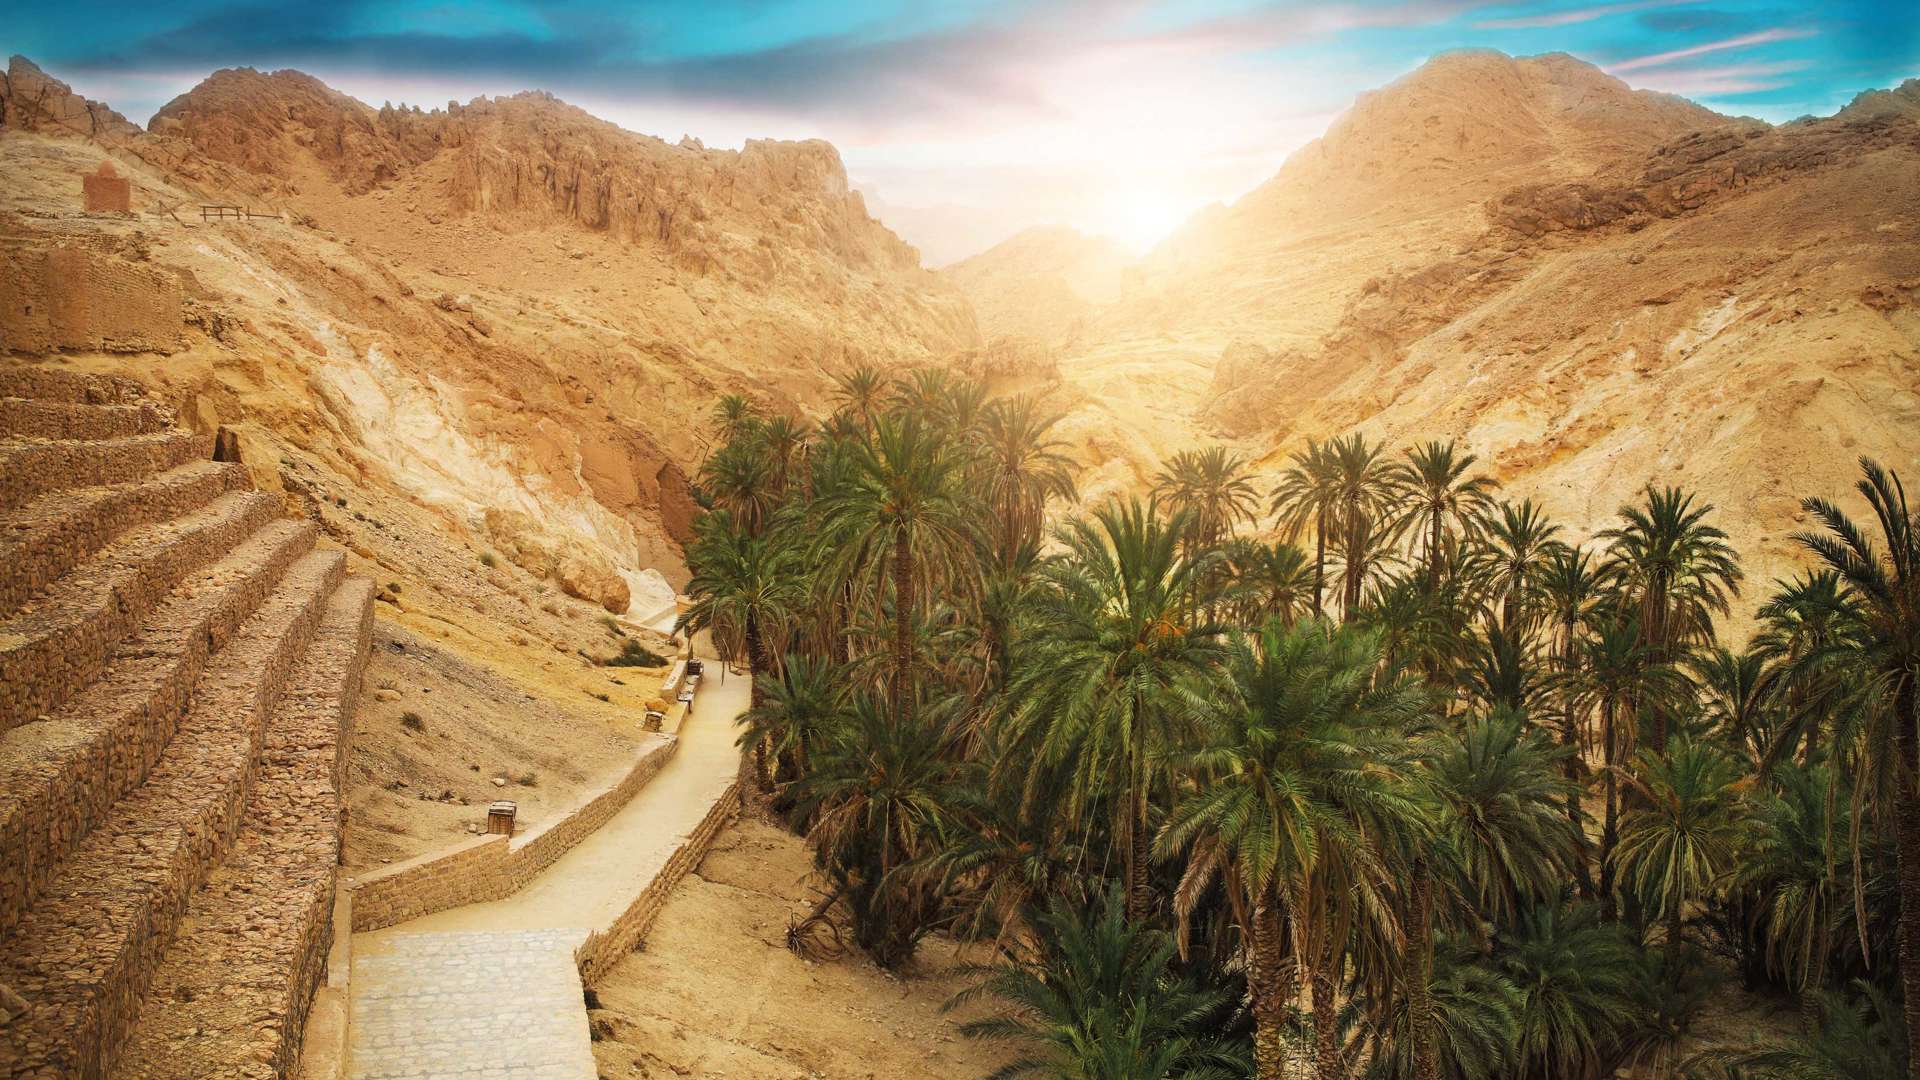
x=592, y=884
x=476, y=968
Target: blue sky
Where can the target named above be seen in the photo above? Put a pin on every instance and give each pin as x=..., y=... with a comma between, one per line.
x=1116, y=115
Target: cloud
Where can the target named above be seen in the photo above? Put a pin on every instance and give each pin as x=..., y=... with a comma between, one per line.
x=1764, y=37
x=1576, y=15
x=1725, y=79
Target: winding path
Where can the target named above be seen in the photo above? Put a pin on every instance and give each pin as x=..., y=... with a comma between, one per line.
x=490, y=991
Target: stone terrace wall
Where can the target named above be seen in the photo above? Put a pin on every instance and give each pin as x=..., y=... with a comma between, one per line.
x=490, y=867
x=69, y=298
x=602, y=950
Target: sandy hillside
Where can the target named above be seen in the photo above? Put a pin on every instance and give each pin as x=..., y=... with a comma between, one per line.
x=509, y=312
x=1590, y=286
x=716, y=993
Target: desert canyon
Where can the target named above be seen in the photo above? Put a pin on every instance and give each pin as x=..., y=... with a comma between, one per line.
x=478, y=347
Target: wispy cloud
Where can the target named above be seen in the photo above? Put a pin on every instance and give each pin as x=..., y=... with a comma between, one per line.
x=1722, y=79
x=1573, y=16
x=1764, y=37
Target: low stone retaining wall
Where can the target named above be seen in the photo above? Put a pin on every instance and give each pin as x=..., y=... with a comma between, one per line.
x=604, y=948
x=490, y=867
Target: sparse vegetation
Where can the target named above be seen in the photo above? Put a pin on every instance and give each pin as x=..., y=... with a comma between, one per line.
x=412, y=721
x=1430, y=785
x=487, y=560
x=634, y=654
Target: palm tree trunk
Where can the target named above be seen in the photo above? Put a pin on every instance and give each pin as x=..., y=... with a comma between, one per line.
x=1656, y=637
x=757, y=668
x=1674, y=912
x=1433, y=555
x=1139, y=892
x=1907, y=850
x=1816, y=982
x=1426, y=1065
x=902, y=629
x=1610, y=831
x=1326, y=1023
x=1271, y=994
x=1319, y=563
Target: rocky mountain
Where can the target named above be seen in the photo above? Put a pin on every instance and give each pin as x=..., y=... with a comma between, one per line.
x=508, y=312
x=1590, y=286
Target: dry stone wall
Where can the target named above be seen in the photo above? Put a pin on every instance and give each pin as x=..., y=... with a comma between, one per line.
x=604, y=948
x=490, y=867
x=73, y=298
x=179, y=669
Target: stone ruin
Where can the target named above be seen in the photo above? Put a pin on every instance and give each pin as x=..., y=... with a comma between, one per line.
x=107, y=191
x=178, y=666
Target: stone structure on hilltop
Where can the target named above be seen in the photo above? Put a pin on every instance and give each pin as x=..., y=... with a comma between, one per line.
x=179, y=665
x=106, y=191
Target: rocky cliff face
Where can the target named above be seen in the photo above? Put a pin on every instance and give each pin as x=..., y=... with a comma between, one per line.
x=508, y=312
x=32, y=100
x=1590, y=286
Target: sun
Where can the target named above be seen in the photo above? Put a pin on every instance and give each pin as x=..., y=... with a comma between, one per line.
x=1139, y=217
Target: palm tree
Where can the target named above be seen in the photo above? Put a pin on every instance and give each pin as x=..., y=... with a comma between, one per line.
x=1496, y=787
x=784, y=441
x=808, y=699
x=1293, y=791
x=1439, y=503
x=1212, y=488
x=1572, y=592
x=906, y=516
x=743, y=588
x=1679, y=841
x=1802, y=623
x=733, y=415
x=1364, y=498
x=861, y=392
x=738, y=478
x=1887, y=586
x=1021, y=467
x=1308, y=497
x=1681, y=571
x=1615, y=675
x=1118, y=629
x=878, y=795
x=1474, y=1020
x=1792, y=864
x=1265, y=581
x=1577, y=976
x=1738, y=697
x=1520, y=546
x=1098, y=1000
x=1489, y=794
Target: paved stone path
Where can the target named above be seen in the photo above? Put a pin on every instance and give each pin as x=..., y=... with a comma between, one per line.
x=474, y=1006
x=490, y=991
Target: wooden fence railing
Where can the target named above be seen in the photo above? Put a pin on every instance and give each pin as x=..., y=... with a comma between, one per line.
x=237, y=213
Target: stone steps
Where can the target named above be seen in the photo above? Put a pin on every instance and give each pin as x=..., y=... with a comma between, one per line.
x=59, y=778
x=72, y=387
x=59, y=641
x=30, y=467
x=231, y=995
x=38, y=419
x=53, y=534
x=84, y=954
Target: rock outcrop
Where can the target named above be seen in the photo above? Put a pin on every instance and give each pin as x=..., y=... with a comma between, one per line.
x=32, y=100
